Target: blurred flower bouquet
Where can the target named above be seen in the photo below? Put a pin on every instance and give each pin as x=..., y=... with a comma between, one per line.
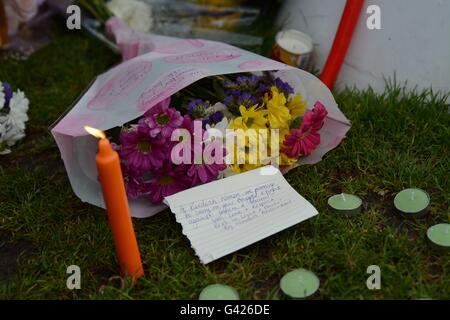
x=186, y=141
x=237, y=22
x=13, y=115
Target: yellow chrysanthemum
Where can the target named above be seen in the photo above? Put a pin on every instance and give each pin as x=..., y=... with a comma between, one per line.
x=250, y=149
x=279, y=115
x=253, y=118
x=239, y=168
x=296, y=106
x=286, y=161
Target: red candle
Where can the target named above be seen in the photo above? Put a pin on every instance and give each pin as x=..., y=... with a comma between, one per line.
x=341, y=42
x=116, y=201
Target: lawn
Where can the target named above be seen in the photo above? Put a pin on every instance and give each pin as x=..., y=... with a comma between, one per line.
x=398, y=139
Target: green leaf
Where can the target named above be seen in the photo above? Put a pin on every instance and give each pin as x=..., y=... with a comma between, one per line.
x=296, y=123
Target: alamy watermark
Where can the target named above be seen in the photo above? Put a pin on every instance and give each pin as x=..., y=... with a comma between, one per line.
x=74, y=280
x=374, y=280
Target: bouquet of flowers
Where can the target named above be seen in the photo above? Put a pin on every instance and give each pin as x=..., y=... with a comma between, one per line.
x=13, y=115
x=189, y=111
x=265, y=120
x=239, y=22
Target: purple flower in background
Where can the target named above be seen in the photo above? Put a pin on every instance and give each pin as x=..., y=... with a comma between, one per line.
x=213, y=118
x=134, y=182
x=197, y=108
x=249, y=82
x=167, y=181
x=284, y=86
x=216, y=117
x=250, y=90
x=246, y=99
x=8, y=94
x=140, y=151
x=187, y=124
x=209, y=169
x=161, y=119
x=228, y=100
x=263, y=88
x=204, y=173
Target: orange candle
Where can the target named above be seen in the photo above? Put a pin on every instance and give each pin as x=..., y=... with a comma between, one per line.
x=116, y=201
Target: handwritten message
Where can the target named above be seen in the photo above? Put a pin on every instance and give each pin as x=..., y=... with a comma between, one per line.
x=168, y=84
x=227, y=215
x=231, y=210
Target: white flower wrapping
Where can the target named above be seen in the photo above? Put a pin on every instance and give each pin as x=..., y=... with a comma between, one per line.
x=165, y=66
x=13, y=115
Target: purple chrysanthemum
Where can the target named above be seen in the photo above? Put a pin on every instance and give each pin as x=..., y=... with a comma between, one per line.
x=135, y=185
x=167, y=181
x=141, y=151
x=161, y=119
x=210, y=168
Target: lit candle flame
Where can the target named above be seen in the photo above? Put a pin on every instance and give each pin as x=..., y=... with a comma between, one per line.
x=95, y=132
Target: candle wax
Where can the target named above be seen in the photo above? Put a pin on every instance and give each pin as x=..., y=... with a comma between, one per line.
x=439, y=235
x=299, y=283
x=345, y=202
x=411, y=201
x=219, y=292
x=293, y=45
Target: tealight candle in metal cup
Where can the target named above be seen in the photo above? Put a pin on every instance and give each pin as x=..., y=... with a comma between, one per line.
x=439, y=236
x=412, y=202
x=299, y=284
x=345, y=203
x=218, y=292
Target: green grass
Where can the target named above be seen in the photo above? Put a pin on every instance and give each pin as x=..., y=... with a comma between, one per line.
x=398, y=139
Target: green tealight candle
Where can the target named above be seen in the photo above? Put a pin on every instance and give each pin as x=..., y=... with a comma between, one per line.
x=439, y=236
x=219, y=292
x=412, y=202
x=299, y=284
x=345, y=203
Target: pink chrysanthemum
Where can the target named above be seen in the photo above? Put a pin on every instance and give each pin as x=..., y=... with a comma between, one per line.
x=134, y=184
x=302, y=141
x=207, y=172
x=167, y=181
x=161, y=119
x=140, y=151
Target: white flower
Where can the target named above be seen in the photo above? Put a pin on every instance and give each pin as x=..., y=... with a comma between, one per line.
x=2, y=96
x=12, y=125
x=18, y=111
x=12, y=135
x=218, y=130
x=219, y=106
x=8, y=137
x=136, y=14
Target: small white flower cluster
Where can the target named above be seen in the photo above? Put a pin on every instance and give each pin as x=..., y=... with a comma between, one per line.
x=136, y=14
x=13, y=115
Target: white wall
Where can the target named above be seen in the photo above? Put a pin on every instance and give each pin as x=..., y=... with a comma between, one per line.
x=414, y=41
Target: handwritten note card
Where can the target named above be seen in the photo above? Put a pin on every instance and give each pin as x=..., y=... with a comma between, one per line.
x=229, y=214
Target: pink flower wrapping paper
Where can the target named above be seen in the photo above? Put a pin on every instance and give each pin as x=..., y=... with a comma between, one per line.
x=155, y=68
